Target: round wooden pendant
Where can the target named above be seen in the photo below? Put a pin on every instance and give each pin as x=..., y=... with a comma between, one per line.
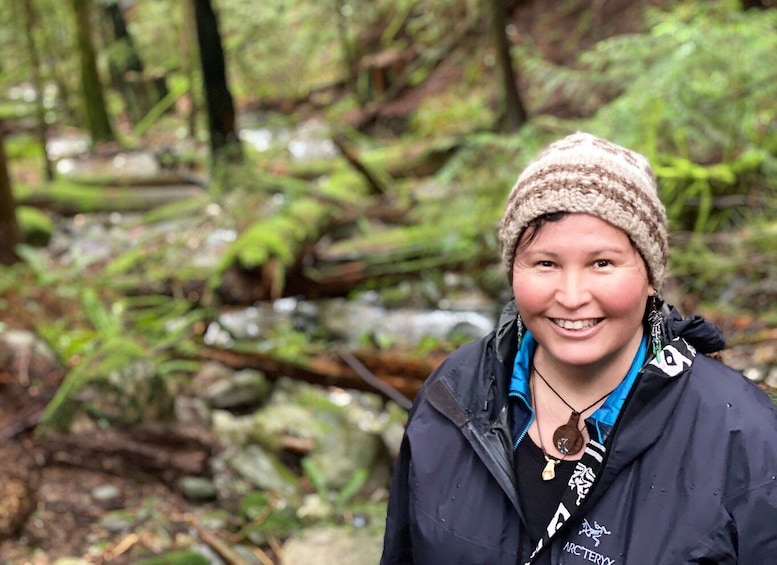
x=568, y=439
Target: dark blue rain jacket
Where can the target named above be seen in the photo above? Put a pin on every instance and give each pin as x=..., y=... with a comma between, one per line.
x=688, y=472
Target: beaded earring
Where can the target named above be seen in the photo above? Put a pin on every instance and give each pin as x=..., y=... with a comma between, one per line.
x=656, y=322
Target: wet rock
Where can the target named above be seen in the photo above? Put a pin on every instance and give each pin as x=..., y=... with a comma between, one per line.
x=36, y=226
x=278, y=421
x=19, y=483
x=192, y=411
x=394, y=429
x=345, y=428
x=209, y=373
x=352, y=321
x=136, y=393
x=314, y=509
x=107, y=496
x=232, y=430
x=241, y=389
x=755, y=374
x=22, y=349
x=329, y=544
x=198, y=489
x=771, y=378
x=118, y=521
x=264, y=470
x=347, y=449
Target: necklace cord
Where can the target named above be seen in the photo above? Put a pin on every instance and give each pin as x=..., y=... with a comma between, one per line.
x=562, y=398
x=539, y=431
x=549, y=472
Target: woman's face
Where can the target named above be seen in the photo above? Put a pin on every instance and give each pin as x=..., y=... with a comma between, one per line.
x=581, y=288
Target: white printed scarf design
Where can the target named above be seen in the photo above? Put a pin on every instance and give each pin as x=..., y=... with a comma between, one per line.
x=671, y=361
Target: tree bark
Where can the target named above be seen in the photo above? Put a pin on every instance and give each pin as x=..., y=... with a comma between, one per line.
x=95, y=107
x=30, y=21
x=188, y=36
x=224, y=139
x=513, y=114
x=140, y=92
x=350, y=60
x=9, y=227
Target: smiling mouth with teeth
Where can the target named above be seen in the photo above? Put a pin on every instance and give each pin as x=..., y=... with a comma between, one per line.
x=575, y=324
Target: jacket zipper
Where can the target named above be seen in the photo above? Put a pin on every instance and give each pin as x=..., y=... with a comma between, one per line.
x=528, y=424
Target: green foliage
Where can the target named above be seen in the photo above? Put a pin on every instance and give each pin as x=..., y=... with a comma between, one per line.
x=35, y=225
x=303, y=31
x=697, y=95
x=736, y=269
x=340, y=499
x=183, y=557
x=286, y=342
x=107, y=338
x=278, y=239
x=453, y=113
x=22, y=146
x=93, y=195
x=686, y=184
x=701, y=82
x=97, y=358
x=265, y=516
x=179, y=87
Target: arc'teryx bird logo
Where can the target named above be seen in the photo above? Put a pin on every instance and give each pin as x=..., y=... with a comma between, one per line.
x=594, y=532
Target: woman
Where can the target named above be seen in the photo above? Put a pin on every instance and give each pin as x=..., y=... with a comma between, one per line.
x=591, y=426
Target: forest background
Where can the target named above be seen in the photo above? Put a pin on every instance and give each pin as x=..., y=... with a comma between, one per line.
x=351, y=148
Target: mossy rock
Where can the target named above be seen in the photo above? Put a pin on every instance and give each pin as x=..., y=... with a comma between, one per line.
x=184, y=557
x=36, y=226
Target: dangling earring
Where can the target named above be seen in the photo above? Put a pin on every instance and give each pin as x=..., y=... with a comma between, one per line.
x=519, y=329
x=656, y=321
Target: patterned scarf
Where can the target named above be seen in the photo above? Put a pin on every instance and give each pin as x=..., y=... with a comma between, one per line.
x=674, y=358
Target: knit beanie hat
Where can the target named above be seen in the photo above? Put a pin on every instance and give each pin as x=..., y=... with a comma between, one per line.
x=584, y=173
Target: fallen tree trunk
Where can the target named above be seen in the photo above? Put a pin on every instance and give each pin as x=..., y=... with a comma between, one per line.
x=403, y=375
x=165, y=453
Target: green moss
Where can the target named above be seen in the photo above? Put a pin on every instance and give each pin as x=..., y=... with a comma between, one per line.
x=36, y=226
x=183, y=557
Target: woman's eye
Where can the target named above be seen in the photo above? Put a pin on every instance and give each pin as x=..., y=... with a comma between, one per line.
x=547, y=264
x=603, y=263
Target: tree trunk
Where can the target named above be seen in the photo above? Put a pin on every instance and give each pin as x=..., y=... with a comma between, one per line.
x=30, y=21
x=188, y=36
x=9, y=227
x=350, y=60
x=140, y=92
x=513, y=114
x=224, y=140
x=96, y=111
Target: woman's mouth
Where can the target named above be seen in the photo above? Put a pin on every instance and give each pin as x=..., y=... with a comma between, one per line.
x=575, y=324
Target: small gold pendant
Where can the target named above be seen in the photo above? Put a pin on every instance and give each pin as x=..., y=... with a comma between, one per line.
x=549, y=472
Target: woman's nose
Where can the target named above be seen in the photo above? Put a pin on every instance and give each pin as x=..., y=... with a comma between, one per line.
x=573, y=290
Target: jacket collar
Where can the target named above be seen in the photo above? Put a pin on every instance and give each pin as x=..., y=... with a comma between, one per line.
x=472, y=392
x=507, y=333
x=604, y=417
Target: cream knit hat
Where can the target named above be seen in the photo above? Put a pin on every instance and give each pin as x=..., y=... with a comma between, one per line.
x=584, y=173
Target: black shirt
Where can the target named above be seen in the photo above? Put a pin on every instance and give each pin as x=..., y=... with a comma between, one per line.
x=539, y=498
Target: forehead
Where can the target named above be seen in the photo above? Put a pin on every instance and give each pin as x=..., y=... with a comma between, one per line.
x=574, y=231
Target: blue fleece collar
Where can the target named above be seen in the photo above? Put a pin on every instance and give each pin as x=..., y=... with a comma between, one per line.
x=603, y=418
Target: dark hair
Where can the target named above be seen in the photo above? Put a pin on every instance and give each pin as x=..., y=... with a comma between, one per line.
x=531, y=230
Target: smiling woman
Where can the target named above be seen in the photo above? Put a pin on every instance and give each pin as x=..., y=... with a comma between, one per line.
x=592, y=412
x=581, y=288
